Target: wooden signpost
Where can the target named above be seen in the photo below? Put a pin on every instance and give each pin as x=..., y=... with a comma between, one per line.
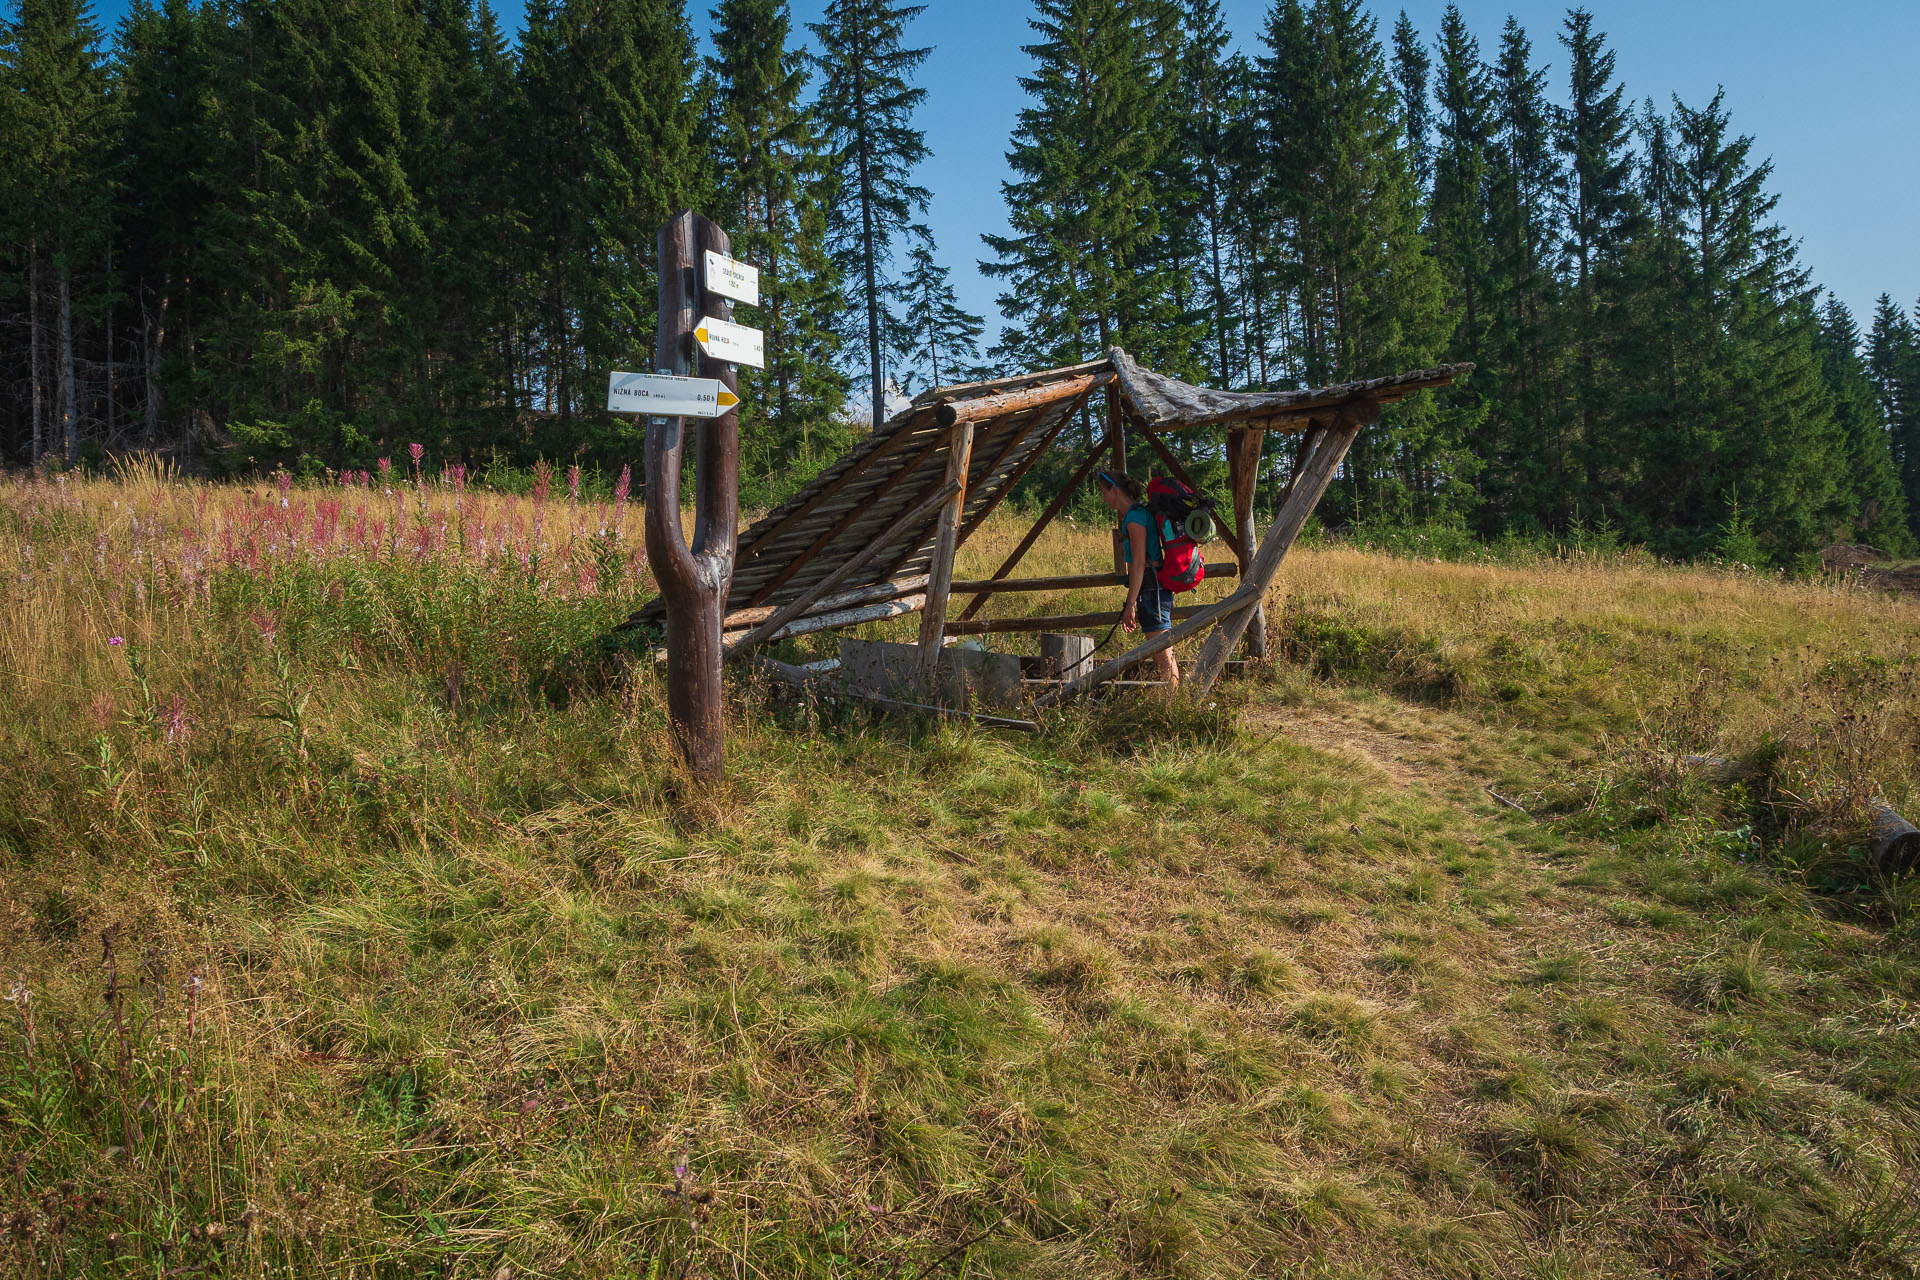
x=694, y=304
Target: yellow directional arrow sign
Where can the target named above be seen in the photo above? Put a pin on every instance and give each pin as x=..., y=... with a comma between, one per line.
x=665, y=396
x=724, y=340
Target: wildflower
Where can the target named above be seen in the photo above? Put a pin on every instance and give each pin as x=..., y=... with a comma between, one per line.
x=542, y=480
x=573, y=483
x=386, y=469
x=625, y=485
x=179, y=723
x=116, y=641
x=416, y=452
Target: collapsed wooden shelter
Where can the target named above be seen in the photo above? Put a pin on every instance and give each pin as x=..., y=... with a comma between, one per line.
x=874, y=535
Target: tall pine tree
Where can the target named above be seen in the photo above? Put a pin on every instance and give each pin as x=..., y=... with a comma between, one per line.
x=866, y=110
x=772, y=191
x=1869, y=478
x=1087, y=153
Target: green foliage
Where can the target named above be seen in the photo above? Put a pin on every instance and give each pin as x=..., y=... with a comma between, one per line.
x=865, y=113
x=774, y=185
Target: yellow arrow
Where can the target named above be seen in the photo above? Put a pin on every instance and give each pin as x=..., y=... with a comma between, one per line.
x=700, y=336
x=728, y=399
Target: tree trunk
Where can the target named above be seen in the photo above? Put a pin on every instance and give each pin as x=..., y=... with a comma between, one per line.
x=69, y=407
x=156, y=343
x=38, y=342
x=693, y=580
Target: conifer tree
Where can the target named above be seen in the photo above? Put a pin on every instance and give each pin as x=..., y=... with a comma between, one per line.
x=169, y=150
x=607, y=155
x=1411, y=68
x=61, y=128
x=1871, y=482
x=937, y=340
x=459, y=149
x=1524, y=479
x=1752, y=426
x=866, y=111
x=1367, y=295
x=1209, y=85
x=1600, y=212
x=1083, y=207
x=1893, y=365
x=771, y=190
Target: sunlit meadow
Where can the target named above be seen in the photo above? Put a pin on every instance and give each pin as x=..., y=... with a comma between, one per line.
x=355, y=921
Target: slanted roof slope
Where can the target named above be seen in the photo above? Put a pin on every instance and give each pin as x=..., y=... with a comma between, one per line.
x=844, y=508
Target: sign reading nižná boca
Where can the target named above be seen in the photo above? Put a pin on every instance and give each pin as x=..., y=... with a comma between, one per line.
x=666, y=396
x=724, y=340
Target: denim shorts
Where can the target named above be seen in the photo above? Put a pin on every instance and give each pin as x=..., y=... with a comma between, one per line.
x=1154, y=609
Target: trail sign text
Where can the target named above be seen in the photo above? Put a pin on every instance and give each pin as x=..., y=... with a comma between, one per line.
x=727, y=341
x=732, y=278
x=668, y=397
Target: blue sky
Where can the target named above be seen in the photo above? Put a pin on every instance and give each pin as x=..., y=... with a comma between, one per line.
x=1831, y=91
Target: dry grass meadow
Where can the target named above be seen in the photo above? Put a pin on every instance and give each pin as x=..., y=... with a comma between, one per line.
x=355, y=923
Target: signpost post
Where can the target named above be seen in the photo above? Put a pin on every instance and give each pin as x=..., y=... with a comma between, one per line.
x=693, y=579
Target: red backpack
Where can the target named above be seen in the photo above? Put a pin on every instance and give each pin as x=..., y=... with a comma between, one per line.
x=1183, y=520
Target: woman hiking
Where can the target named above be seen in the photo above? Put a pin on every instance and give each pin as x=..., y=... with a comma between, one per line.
x=1149, y=605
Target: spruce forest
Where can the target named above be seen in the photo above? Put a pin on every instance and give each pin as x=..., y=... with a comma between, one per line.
x=265, y=234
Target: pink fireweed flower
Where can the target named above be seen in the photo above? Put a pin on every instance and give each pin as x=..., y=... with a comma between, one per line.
x=542, y=480
x=416, y=452
x=573, y=483
x=179, y=723
x=625, y=484
x=386, y=469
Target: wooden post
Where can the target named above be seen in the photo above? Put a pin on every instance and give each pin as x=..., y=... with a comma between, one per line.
x=1069, y=657
x=693, y=579
x=934, y=621
x=1316, y=473
x=1243, y=474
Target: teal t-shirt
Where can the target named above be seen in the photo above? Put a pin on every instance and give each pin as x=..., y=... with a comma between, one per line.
x=1138, y=515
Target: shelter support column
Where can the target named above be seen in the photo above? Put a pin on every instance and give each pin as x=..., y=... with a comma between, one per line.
x=1316, y=473
x=946, y=541
x=1243, y=473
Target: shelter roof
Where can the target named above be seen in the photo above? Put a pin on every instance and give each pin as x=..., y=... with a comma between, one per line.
x=841, y=511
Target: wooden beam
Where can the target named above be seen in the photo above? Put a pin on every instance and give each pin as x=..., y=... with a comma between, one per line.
x=1053, y=622
x=1020, y=472
x=1243, y=475
x=945, y=542
x=852, y=516
x=852, y=617
x=1180, y=473
x=742, y=619
x=1066, y=582
x=1000, y=406
x=1306, y=492
x=1046, y=518
x=808, y=598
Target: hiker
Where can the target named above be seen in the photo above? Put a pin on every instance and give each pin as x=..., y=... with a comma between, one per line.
x=1149, y=605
